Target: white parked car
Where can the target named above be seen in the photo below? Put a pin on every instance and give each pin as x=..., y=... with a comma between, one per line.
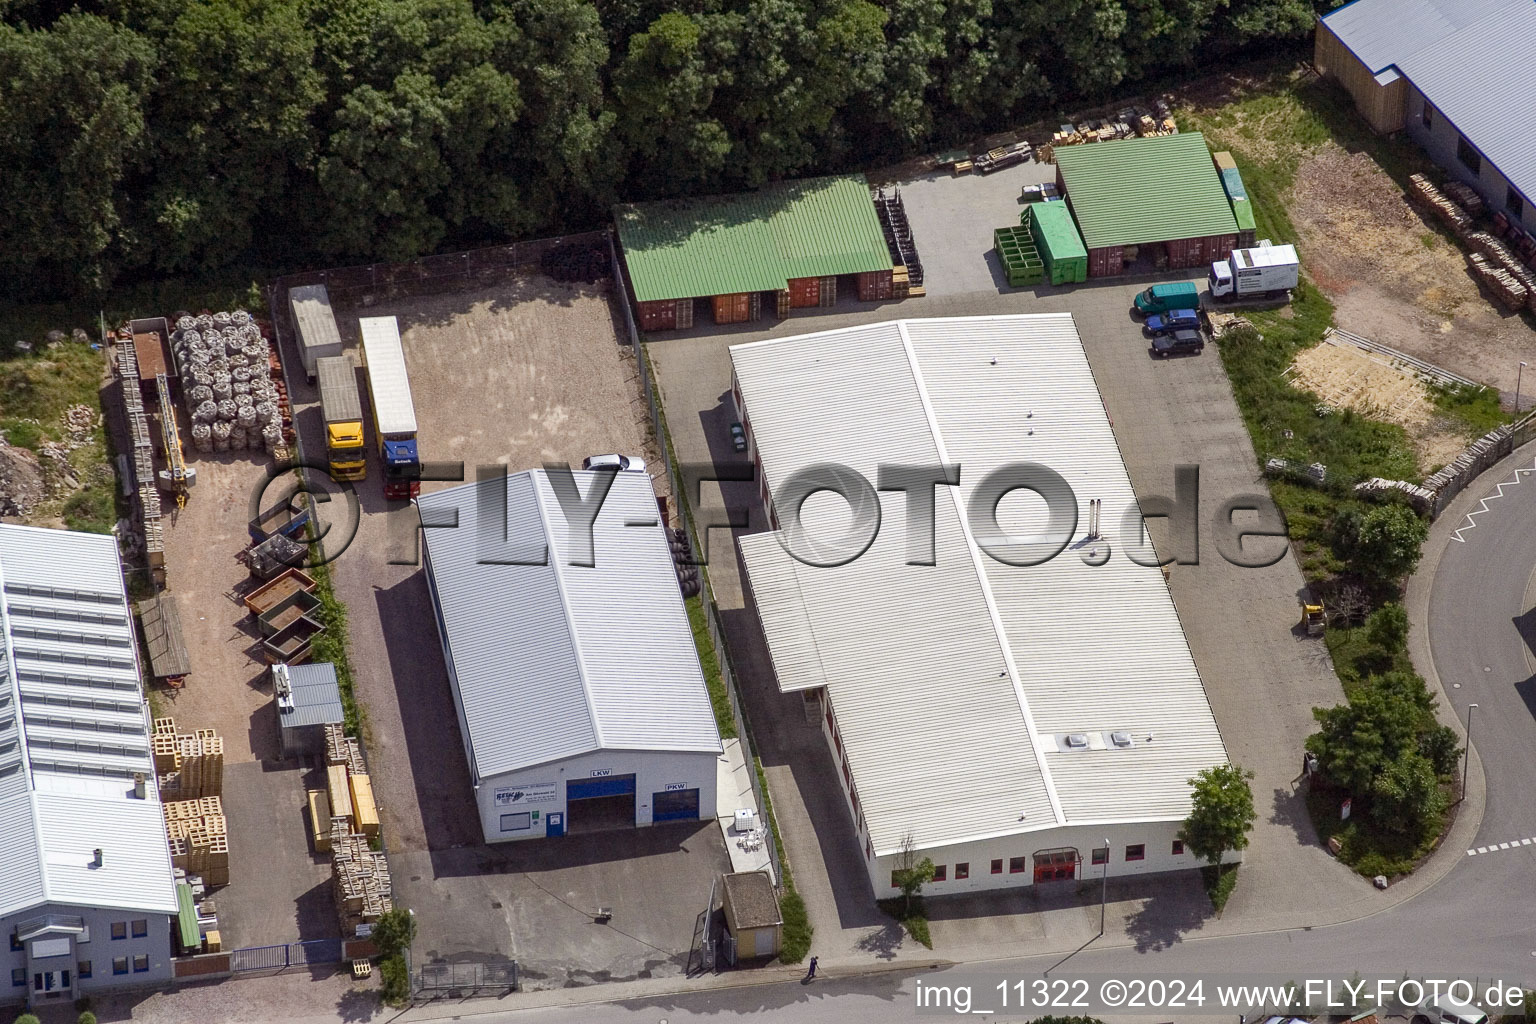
x=633, y=463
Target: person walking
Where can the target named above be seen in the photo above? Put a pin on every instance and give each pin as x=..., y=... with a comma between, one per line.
x=810, y=975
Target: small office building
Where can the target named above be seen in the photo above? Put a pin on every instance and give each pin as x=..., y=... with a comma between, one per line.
x=575, y=677
x=87, y=894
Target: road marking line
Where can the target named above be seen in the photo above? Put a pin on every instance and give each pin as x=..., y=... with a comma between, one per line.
x=1482, y=506
x=1525, y=842
x=1471, y=853
x=1503, y=846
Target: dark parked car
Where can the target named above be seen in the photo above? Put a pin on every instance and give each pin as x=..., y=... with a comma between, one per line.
x=1178, y=343
x=1173, y=320
x=738, y=437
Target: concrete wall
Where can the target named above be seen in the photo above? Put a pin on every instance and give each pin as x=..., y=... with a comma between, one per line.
x=1440, y=140
x=543, y=789
x=99, y=949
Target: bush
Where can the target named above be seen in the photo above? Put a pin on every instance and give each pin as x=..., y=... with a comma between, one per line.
x=27, y=1018
x=86, y=1018
x=797, y=927
x=1441, y=746
x=394, y=931
x=913, y=917
x=1220, y=881
x=395, y=982
x=1387, y=627
x=1383, y=541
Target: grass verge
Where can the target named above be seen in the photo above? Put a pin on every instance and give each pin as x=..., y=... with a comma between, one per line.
x=709, y=661
x=1220, y=881
x=330, y=644
x=913, y=919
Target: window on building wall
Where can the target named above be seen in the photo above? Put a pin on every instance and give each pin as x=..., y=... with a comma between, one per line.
x=140, y=928
x=141, y=963
x=894, y=884
x=962, y=870
x=941, y=873
x=83, y=969
x=1015, y=865
x=997, y=867
x=1470, y=158
x=1178, y=847
x=18, y=976
x=1101, y=856
x=519, y=822
x=16, y=946
x=1429, y=115
x=119, y=929
x=1136, y=852
x=119, y=965
x=1514, y=202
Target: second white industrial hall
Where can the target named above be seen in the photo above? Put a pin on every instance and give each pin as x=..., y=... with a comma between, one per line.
x=577, y=683
x=1002, y=717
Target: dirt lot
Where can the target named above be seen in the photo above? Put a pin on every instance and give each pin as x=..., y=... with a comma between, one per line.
x=520, y=374
x=1348, y=377
x=1393, y=278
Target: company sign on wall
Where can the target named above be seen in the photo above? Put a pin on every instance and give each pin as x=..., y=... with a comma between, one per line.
x=532, y=793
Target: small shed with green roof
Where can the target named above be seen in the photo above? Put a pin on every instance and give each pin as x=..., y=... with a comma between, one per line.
x=1158, y=192
x=791, y=240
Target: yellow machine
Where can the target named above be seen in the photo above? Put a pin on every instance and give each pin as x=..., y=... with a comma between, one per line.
x=1312, y=619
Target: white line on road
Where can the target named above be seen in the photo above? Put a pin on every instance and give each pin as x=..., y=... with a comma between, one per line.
x=1495, y=847
x=1482, y=506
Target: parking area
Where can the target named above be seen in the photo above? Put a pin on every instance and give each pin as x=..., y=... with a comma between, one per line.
x=519, y=374
x=1261, y=678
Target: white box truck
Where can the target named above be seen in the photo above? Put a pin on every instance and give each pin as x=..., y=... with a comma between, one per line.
x=1264, y=272
x=316, y=325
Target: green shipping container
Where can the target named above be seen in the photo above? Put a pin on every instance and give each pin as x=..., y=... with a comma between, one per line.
x=1242, y=209
x=1051, y=227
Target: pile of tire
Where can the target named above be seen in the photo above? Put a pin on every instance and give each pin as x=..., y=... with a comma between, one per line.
x=682, y=557
x=576, y=263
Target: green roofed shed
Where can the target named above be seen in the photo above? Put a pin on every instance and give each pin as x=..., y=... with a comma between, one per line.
x=752, y=241
x=1142, y=191
x=1061, y=247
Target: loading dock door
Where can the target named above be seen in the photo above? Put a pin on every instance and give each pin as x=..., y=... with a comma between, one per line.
x=675, y=805
x=592, y=805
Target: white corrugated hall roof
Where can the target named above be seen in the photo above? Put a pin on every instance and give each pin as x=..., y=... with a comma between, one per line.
x=952, y=683
x=1461, y=54
x=74, y=729
x=556, y=660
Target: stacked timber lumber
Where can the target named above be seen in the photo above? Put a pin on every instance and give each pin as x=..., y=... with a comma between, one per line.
x=335, y=744
x=1505, y=258
x=1501, y=282
x=1423, y=192
x=360, y=879
x=198, y=835
x=1463, y=196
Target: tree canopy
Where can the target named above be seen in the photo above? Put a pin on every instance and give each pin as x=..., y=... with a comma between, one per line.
x=1221, y=813
x=159, y=137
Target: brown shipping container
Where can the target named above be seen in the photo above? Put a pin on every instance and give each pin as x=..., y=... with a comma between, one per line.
x=875, y=285
x=732, y=309
x=804, y=292
x=1107, y=261
x=660, y=315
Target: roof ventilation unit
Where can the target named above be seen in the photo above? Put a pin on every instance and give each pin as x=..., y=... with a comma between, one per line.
x=1120, y=739
x=1077, y=741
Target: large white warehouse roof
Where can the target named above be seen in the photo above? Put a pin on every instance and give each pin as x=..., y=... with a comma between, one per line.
x=956, y=684
x=74, y=729
x=555, y=660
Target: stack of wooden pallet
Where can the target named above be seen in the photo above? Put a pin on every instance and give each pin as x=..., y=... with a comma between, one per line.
x=1423, y=192
x=198, y=835
x=901, y=282
x=1501, y=282
x=360, y=877
x=1463, y=195
x=1503, y=257
x=189, y=767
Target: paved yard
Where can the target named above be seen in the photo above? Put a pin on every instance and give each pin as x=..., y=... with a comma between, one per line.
x=520, y=374
x=1261, y=679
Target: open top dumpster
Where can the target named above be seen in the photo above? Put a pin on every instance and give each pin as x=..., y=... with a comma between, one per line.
x=1055, y=235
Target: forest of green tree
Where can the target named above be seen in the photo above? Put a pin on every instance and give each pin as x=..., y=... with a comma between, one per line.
x=151, y=138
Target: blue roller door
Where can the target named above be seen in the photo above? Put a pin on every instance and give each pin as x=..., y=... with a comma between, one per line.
x=612, y=785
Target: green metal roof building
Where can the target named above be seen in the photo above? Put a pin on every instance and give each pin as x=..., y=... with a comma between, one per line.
x=753, y=241
x=1159, y=189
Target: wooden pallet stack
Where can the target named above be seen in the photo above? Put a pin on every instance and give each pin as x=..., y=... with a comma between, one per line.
x=189, y=766
x=1423, y=192
x=198, y=835
x=360, y=877
x=1501, y=282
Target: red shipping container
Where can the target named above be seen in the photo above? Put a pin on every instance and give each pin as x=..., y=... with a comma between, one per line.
x=732, y=309
x=875, y=285
x=804, y=292
x=659, y=315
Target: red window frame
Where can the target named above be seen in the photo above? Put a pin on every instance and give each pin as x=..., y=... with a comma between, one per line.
x=1136, y=851
x=997, y=866
x=962, y=870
